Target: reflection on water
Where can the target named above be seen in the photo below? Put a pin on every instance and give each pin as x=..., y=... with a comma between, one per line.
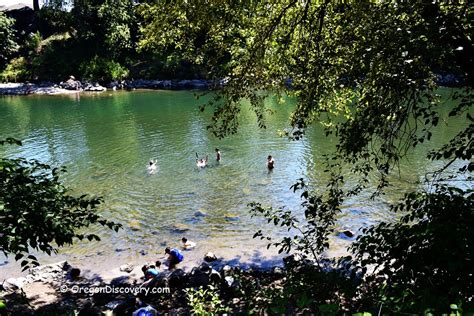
x=107, y=140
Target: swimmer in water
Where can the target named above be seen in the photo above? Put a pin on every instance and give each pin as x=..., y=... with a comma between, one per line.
x=270, y=162
x=152, y=166
x=187, y=244
x=201, y=163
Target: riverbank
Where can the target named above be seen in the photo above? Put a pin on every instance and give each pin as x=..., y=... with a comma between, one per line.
x=71, y=86
x=63, y=289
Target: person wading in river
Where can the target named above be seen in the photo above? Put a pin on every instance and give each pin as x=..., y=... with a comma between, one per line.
x=270, y=162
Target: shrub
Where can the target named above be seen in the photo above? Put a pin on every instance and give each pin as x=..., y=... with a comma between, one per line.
x=101, y=69
x=16, y=70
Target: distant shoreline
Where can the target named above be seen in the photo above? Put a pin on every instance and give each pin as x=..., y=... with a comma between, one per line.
x=75, y=86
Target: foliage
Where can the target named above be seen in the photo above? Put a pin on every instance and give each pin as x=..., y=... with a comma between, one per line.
x=102, y=69
x=368, y=72
x=308, y=288
x=7, y=38
x=425, y=259
x=118, y=22
x=16, y=70
x=38, y=213
x=197, y=32
x=205, y=301
x=310, y=236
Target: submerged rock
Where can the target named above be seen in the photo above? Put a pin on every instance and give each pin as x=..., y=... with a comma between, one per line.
x=179, y=228
x=231, y=217
x=200, y=213
x=134, y=225
x=346, y=234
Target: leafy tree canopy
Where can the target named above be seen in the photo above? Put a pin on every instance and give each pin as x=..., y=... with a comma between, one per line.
x=7, y=38
x=370, y=73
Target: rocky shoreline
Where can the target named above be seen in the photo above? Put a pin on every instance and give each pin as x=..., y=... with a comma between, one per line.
x=75, y=86
x=62, y=289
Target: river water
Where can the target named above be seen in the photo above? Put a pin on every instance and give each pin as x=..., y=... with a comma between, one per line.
x=106, y=140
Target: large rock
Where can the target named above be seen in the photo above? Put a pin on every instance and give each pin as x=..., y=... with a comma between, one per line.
x=121, y=307
x=47, y=273
x=200, y=276
x=226, y=270
x=210, y=257
x=292, y=260
x=215, y=277
x=177, y=279
x=94, y=88
x=89, y=310
x=71, y=84
x=148, y=311
x=126, y=268
x=12, y=284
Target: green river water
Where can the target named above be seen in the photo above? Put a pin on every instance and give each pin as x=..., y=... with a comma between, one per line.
x=106, y=140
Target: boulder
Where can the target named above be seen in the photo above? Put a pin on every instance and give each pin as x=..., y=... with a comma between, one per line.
x=12, y=285
x=122, y=307
x=229, y=281
x=89, y=310
x=94, y=88
x=210, y=257
x=292, y=259
x=226, y=270
x=278, y=271
x=75, y=273
x=126, y=268
x=148, y=311
x=200, y=276
x=71, y=84
x=215, y=277
x=177, y=279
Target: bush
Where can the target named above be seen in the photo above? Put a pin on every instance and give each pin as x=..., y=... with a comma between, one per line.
x=205, y=301
x=101, y=69
x=424, y=260
x=16, y=70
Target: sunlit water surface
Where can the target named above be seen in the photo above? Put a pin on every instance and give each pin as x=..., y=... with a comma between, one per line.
x=106, y=141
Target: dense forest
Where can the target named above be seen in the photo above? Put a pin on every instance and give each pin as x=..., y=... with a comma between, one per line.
x=92, y=40
x=369, y=72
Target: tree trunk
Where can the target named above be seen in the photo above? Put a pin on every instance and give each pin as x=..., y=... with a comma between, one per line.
x=36, y=6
